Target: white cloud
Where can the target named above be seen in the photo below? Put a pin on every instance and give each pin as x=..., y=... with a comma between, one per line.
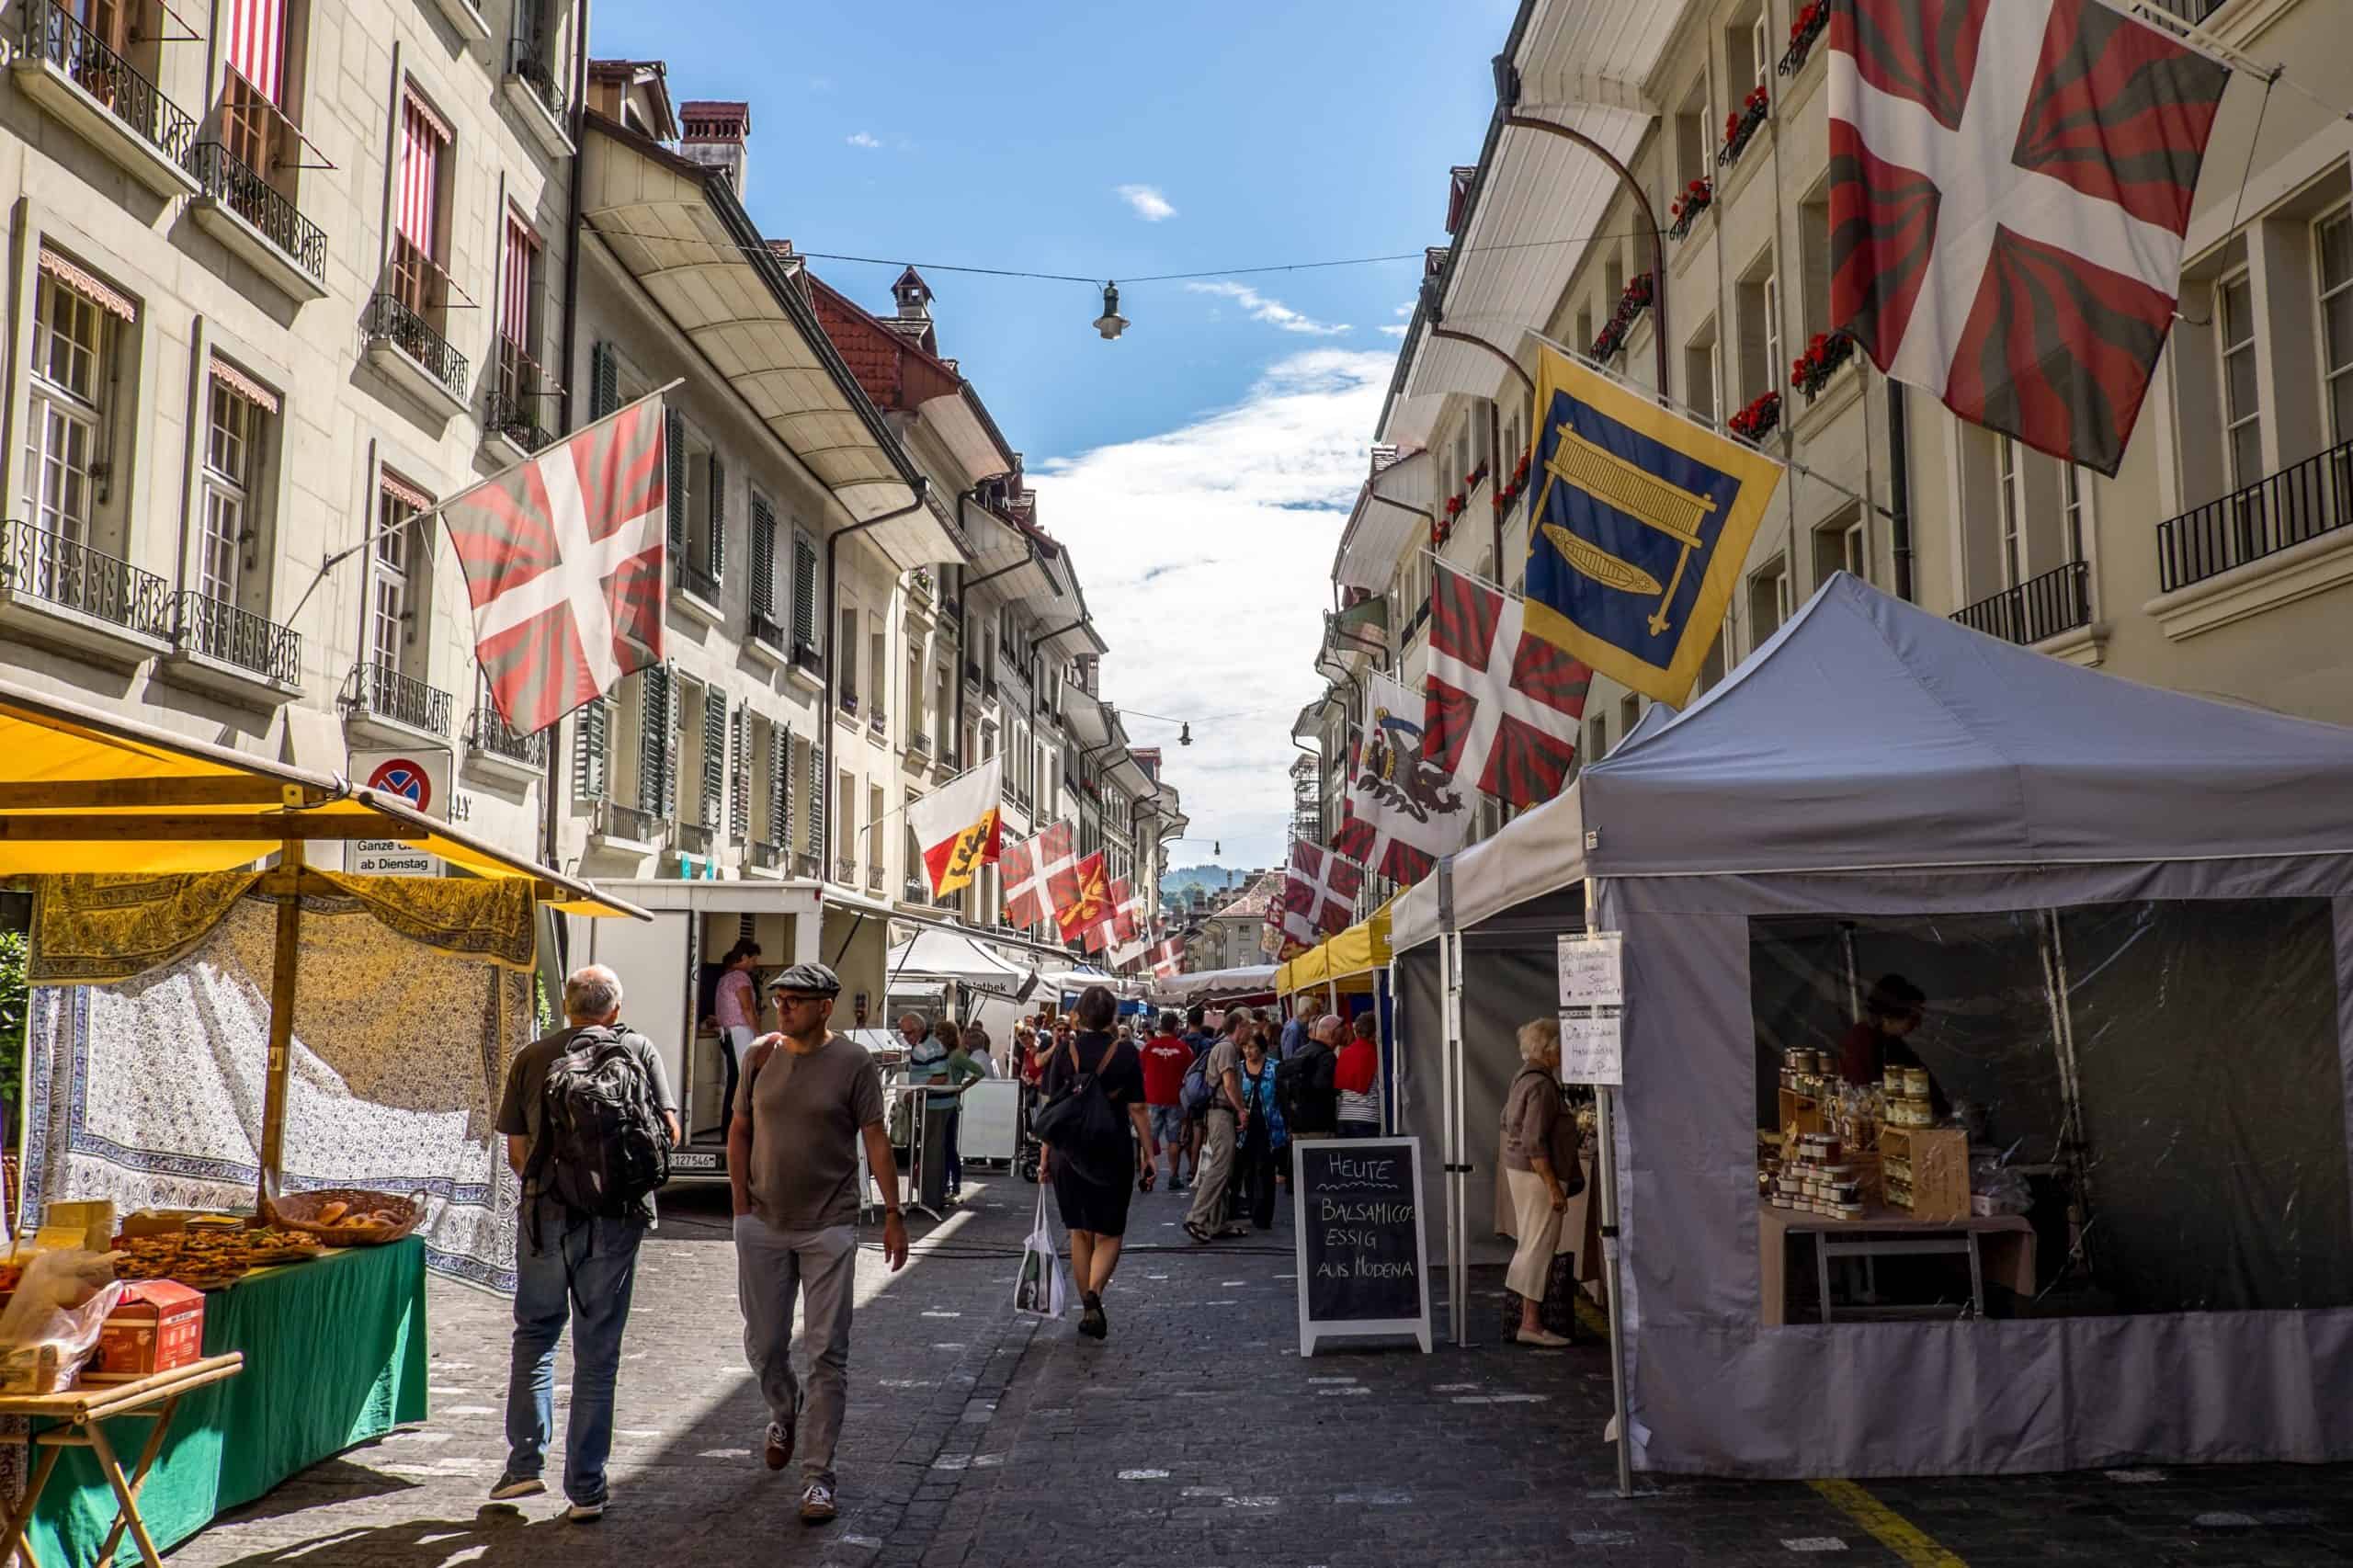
x=1149, y=204
x=1205, y=554
x=1398, y=330
x=1274, y=312
x=860, y=139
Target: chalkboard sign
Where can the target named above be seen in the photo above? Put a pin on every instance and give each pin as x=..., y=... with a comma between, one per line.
x=1363, y=1263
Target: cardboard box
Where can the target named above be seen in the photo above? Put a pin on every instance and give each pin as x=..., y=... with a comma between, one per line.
x=158, y=1325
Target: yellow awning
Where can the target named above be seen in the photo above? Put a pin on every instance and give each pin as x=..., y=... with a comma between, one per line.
x=1351, y=956
x=83, y=791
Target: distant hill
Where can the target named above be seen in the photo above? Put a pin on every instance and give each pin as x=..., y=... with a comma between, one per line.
x=1211, y=879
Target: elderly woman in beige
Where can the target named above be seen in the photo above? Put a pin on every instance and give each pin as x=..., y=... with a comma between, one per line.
x=1539, y=1145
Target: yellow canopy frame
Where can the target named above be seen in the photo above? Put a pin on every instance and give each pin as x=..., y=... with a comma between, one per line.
x=1345, y=963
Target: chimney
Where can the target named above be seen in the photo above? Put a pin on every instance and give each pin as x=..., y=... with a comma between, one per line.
x=913, y=296
x=714, y=137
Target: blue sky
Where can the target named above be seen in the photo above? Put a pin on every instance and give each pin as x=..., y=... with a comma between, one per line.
x=1199, y=468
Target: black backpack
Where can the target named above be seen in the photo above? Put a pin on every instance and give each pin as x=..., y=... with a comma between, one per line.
x=1303, y=1087
x=1083, y=1125
x=603, y=1145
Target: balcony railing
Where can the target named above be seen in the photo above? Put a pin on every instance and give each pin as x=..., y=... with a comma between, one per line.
x=805, y=657
x=527, y=58
x=488, y=731
x=48, y=566
x=805, y=864
x=847, y=701
x=634, y=823
x=694, y=838
x=876, y=723
x=520, y=399
x=918, y=743
x=918, y=891
x=224, y=177
x=2312, y=498
x=54, y=36
x=952, y=760
x=697, y=580
x=846, y=872
x=389, y=319
x=379, y=688
x=764, y=628
x=2059, y=600
x=767, y=857
x=2191, y=11
x=239, y=637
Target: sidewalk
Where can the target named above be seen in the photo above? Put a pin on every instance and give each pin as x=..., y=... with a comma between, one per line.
x=1196, y=1437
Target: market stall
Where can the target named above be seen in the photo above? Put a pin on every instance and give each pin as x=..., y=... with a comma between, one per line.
x=205, y=1037
x=1249, y=985
x=1349, y=972
x=2004, y=1004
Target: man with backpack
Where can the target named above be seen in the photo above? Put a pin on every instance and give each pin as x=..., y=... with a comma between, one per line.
x=1305, y=1087
x=810, y=1097
x=589, y=1121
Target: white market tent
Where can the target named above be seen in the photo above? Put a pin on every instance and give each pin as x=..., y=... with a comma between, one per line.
x=1214, y=985
x=937, y=954
x=2129, y=893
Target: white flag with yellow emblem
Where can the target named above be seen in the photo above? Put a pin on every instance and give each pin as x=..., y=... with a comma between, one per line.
x=956, y=826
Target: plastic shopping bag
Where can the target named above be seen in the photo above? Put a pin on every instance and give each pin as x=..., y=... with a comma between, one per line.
x=1043, y=1288
x=51, y=1324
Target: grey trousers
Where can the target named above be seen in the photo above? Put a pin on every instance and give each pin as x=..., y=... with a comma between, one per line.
x=1210, y=1182
x=773, y=1268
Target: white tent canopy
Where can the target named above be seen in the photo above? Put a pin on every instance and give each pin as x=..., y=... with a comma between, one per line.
x=1216, y=984
x=941, y=955
x=2123, y=889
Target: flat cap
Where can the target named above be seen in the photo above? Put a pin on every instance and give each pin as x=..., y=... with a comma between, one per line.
x=809, y=979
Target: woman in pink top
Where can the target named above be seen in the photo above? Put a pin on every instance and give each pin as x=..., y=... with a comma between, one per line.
x=737, y=1009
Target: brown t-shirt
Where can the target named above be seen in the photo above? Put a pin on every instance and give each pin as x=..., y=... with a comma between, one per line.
x=807, y=1113
x=1224, y=1057
x=1530, y=1111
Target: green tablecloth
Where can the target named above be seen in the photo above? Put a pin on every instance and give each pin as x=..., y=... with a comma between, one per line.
x=334, y=1355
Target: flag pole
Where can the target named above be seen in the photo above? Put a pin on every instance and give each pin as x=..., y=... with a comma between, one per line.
x=370, y=537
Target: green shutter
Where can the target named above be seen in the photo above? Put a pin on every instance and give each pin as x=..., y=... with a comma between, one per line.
x=718, y=561
x=812, y=813
x=604, y=381
x=763, y=599
x=739, y=775
x=780, y=788
x=714, y=755
x=654, y=767
x=589, y=730
x=804, y=592
x=677, y=443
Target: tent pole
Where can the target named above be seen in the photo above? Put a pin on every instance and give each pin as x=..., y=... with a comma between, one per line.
x=1606, y=1109
x=287, y=883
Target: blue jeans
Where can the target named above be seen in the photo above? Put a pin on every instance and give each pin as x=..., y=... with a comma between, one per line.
x=582, y=1269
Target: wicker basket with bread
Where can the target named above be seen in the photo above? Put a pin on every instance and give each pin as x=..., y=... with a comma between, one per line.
x=346, y=1216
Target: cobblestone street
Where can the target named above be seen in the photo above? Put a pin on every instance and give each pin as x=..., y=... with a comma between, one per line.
x=1196, y=1437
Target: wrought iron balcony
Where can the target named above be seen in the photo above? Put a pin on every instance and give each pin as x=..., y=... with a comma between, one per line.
x=697, y=580
x=389, y=319
x=847, y=700
x=221, y=175
x=2314, y=497
x=527, y=58
x=489, y=732
x=382, y=690
x=918, y=743
x=694, y=838
x=519, y=399
x=55, y=37
x=765, y=855
x=764, y=629
x=952, y=760
x=876, y=722
x=239, y=637
x=806, y=657
x=632, y=824
x=2059, y=600
x=918, y=891
x=42, y=565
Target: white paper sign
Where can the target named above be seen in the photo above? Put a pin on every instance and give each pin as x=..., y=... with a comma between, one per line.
x=1590, y=1050
x=1593, y=971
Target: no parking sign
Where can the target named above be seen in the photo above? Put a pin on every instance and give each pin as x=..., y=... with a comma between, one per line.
x=419, y=777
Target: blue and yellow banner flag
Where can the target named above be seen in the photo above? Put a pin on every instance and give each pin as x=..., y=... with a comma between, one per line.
x=1640, y=527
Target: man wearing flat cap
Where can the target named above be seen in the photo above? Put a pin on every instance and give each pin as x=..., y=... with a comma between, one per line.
x=808, y=1096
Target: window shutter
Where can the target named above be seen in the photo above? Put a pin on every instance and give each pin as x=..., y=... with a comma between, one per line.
x=654, y=744
x=718, y=519
x=813, y=794
x=780, y=787
x=677, y=444
x=604, y=382
x=763, y=599
x=589, y=729
x=739, y=775
x=714, y=755
x=804, y=592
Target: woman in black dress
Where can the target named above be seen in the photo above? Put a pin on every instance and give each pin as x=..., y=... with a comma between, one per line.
x=1092, y=1185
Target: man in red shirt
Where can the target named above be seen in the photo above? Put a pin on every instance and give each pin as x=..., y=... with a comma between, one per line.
x=1165, y=1057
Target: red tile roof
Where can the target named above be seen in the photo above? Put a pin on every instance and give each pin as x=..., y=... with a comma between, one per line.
x=896, y=372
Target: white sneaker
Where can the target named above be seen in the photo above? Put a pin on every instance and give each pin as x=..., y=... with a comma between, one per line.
x=583, y=1513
